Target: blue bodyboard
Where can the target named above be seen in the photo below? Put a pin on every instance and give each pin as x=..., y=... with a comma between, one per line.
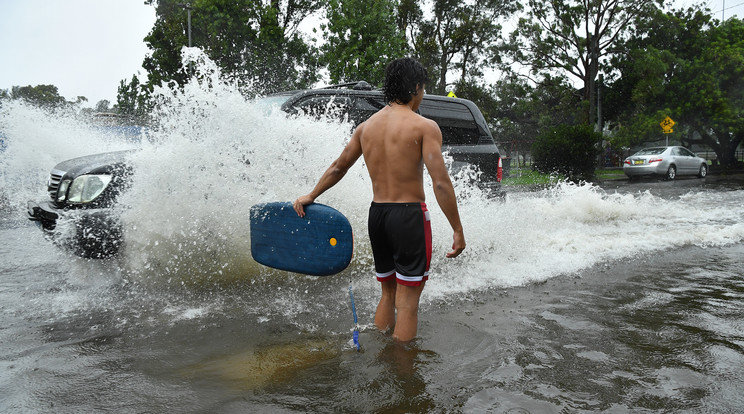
x=319, y=244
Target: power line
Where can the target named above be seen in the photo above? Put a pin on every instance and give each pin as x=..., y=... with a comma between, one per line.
x=730, y=7
x=726, y=8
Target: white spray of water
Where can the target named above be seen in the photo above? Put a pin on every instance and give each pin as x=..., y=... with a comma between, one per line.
x=37, y=139
x=215, y=153
x=536, y=236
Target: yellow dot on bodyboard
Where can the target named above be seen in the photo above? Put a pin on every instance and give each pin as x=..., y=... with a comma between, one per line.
x=332, y=241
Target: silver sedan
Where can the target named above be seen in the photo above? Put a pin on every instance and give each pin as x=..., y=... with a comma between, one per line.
x=668, y=162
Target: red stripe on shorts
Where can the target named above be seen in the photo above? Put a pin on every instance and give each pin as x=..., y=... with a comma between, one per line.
x=427, y=235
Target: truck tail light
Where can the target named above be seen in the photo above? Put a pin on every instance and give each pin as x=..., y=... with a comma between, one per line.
x=499, y=171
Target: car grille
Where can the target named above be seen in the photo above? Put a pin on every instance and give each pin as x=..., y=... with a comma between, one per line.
x=54, y=179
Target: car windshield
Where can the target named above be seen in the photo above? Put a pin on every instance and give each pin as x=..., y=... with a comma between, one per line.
x=273, y=101
x=650, y=151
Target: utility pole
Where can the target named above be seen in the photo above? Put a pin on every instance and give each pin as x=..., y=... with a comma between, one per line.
x=600, y=120
x=187, y=7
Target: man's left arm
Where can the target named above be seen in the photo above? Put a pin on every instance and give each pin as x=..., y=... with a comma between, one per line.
x=431, y=151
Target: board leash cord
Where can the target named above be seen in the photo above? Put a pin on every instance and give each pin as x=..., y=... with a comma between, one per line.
x=356, y=325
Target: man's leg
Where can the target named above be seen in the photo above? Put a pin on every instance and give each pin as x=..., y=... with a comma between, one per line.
x=407, y=302
x=385, y=314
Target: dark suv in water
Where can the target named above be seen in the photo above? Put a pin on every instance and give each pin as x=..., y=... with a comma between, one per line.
x=88, y=187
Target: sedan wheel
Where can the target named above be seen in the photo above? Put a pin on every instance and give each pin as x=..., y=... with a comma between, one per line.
x=703, y=171
x=671, y=173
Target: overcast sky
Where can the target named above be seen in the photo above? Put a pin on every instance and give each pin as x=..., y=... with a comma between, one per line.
x=86, y=47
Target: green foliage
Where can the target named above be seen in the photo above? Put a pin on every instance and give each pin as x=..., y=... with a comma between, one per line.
x=480, y=35
x=573, y=37
x=687, y=66
x=103, y=106
x=256, y=44
x=166, y=39
x=682, y=64
x=461, y=36
x=133, y=98
x=280, y=58
x=570, y=151
x=361, y=37
x=518, y=111
x=45, y=96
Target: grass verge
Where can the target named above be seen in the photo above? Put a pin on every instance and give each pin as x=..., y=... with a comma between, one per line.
x=527, y=176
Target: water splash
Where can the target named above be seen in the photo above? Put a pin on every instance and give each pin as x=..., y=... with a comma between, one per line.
x=570, y=227
x=36, y=139
x=214, y=153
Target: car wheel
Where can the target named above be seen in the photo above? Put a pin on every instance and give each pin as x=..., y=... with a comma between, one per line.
x=703, y=171
x=671, y=173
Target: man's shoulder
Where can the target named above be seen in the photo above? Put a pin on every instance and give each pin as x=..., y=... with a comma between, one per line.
x=426, y=120
x=410, y=118
x=426, y=123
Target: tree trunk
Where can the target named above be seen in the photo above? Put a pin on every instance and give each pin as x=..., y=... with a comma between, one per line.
x=442, y=73
x=724, y=145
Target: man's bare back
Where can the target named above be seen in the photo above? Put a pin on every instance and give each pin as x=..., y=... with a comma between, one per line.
x=392, y=142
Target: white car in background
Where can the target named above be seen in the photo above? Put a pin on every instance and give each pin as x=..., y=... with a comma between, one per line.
x=668, y=162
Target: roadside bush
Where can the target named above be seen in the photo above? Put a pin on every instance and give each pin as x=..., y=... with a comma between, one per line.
x=567, y=150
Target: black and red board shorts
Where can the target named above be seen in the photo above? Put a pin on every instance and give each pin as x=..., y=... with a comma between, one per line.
x=400, y=234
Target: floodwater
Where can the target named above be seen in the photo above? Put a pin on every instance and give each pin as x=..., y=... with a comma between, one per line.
x=615, y=297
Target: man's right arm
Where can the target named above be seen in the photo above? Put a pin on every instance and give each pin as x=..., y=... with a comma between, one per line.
x=431, y=150
x=334, y=173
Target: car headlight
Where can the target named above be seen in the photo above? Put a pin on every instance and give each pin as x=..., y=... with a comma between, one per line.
x=86, y=188
x=62, y=191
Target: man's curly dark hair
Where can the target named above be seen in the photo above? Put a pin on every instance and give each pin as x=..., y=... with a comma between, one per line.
x=401, y=78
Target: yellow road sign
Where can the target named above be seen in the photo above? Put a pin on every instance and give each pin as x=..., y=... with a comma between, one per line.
x=667, y=125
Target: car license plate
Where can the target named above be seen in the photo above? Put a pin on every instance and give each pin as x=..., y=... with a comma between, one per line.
x=637, y=162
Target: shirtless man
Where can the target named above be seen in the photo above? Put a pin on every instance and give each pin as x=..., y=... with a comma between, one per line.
x=396, y=143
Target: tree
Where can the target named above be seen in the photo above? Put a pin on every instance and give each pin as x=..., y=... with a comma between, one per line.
x=409, y=15
x=519, y=111
x=103, y=105
x=484, y=35
x=166, y=39
x=460, y=36
x=684, y=65
x=46, y=96
x=572, y=37
x=361, y=37
x=714, y=108
x=567, y=150
x=255, y=43
x=133, y=98
x=280, y=58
